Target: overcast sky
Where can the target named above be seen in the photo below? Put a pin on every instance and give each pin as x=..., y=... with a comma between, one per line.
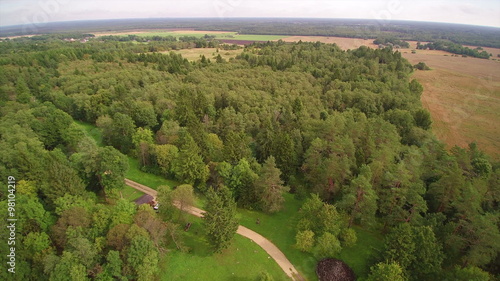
x=477, y=12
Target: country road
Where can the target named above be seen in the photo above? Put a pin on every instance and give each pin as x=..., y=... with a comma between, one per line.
x=260, y=240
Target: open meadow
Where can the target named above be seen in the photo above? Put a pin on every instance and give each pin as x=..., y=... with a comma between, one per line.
x=463, y=96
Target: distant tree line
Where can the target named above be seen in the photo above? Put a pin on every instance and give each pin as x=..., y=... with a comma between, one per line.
x=454, y=48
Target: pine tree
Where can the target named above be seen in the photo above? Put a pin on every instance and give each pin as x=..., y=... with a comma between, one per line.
x=220, y=218
x=270, y=187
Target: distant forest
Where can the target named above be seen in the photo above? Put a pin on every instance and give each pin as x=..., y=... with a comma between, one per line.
x=368, y=29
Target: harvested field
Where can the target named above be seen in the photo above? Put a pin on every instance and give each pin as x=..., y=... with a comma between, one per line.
x=343, y=43
x=463, y=96
x=238, y=42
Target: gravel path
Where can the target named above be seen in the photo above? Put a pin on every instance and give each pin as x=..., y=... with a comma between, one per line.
x=260, y=240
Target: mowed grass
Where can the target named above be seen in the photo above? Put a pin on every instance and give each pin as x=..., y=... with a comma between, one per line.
x=130, y=194
x=243, y=260
x=362, y=255
x=280, y=228
x=210, y=53
x=91, y=131
x=134, y=173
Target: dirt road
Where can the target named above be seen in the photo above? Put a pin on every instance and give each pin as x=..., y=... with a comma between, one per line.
x=260, y=240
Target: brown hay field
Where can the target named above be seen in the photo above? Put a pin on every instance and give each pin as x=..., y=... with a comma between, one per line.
x=343, y=43
x=463, y=96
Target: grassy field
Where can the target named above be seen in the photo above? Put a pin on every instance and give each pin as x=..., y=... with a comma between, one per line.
x=198, y=34
x=280, y=229
x=343, y=43
x=244, y=260
x=463, y=96
x=209, y=53
x=175, y=33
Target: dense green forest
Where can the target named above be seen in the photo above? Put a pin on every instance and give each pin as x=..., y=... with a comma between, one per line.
x=343, y=131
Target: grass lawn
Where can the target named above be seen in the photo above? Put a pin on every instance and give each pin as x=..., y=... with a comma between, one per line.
x=130, y=193
x=359, y=257
x=280, y=229
x=243, y=260
x=91, y=131
x=151, y=180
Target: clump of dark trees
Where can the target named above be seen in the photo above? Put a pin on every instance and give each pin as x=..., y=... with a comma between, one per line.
x=454, y=49
x=346, y=126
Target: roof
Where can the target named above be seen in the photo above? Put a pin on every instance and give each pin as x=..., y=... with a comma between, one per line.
x=145, y=199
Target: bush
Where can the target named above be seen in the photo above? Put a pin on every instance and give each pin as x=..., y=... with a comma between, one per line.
x=305, y=240
x=421, y=66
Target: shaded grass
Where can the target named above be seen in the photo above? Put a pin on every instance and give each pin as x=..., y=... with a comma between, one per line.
x=91, y=131
x=130, y=194
x=134, y=173
x=280, y=228
x=362, y=255
x=243, y=260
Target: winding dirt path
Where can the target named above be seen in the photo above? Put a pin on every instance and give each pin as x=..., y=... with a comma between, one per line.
x=260, y=240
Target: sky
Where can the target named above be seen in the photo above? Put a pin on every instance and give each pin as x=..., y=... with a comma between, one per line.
x=38, y=12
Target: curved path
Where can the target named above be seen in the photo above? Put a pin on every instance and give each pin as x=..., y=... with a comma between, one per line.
x=265, y=244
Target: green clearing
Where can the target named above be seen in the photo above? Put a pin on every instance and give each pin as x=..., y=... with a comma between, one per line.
x=130, y=193
x=244, y=260
x=91, y=131
x=134, y=173
x=280, y=229
x=253, y=37
x=218, y=35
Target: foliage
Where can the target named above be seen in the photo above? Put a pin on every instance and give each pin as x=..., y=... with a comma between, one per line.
x=305, y=240
x=386, y=272
x=220, y=218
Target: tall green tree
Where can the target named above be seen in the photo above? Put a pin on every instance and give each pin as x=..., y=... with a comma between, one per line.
x=386, y=272
x=220, y=218
x=359, y=199
x=270, y=187
x=189, y=167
